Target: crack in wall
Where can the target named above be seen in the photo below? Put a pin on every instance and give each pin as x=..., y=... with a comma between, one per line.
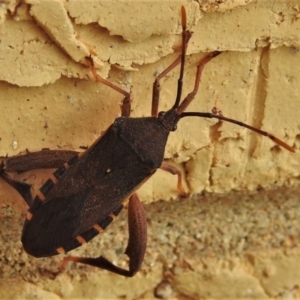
x=214, y=135
x=258, y=99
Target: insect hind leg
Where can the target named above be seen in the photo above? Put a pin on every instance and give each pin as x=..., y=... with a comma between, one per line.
x=136, y=247
x=24, y=189
x=36, y=160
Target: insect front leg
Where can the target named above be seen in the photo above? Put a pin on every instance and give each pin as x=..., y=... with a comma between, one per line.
x=174, y=171
x=189, y=98
x=136, y=247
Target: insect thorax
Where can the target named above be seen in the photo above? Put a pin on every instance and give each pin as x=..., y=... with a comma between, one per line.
x=146, y=136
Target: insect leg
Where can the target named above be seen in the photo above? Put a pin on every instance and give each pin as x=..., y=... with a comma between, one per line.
x=45, y=159
x=126, y=103
x=136, y=244
x=23, y=188
x=37, y=160
x=188, y=99
x=156, y=86
x=171, y=169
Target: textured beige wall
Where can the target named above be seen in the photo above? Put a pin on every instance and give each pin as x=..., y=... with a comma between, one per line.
x=47, y=102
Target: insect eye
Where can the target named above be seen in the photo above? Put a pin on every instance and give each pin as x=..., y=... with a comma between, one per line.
x=161, y=113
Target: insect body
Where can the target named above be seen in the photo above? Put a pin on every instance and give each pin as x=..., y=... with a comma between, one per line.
x=88, y=189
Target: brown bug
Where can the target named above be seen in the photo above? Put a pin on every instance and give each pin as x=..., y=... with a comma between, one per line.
x=88, y=189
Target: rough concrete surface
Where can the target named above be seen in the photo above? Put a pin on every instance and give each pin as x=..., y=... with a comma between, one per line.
x=235, y=245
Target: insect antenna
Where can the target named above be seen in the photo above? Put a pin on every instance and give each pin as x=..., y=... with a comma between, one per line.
x=239, y=123
x=186, y=35
x=181, y=107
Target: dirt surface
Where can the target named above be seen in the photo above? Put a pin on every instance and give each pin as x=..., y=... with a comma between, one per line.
x=196, y=248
